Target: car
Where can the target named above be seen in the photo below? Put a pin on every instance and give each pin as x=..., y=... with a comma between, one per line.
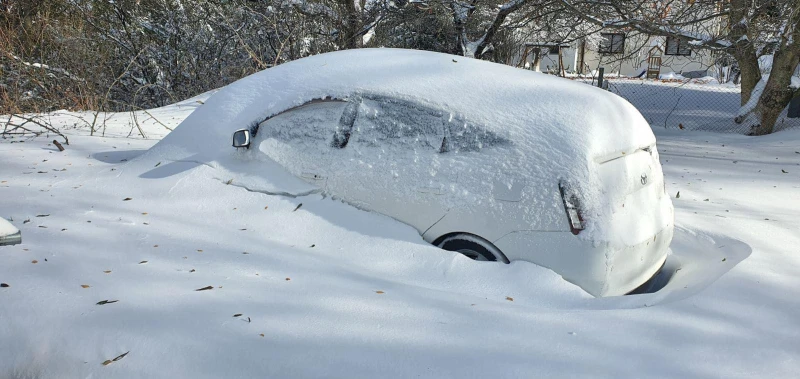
x=9, y=234
x=494, y=162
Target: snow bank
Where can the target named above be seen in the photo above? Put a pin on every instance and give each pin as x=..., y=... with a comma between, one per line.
x=671, y=76
x=185, y=232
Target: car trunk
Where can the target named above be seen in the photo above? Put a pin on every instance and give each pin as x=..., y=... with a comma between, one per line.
x=634, y=184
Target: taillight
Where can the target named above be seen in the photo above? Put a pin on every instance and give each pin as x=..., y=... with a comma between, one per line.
x=573, y=208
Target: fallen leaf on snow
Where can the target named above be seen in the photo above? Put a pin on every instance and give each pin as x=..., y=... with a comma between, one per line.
x=85, y=286
x=4, y=285
x=262, y=334
x=206, y=288
x=379, y=292
x=298, y=207
x=509, y=298
x=109, y=361
x=104, y=302
x=237, y=315
x=142, y=262
x=127, y=199
x=34, y=261
x=288, y=279
x=107, y=271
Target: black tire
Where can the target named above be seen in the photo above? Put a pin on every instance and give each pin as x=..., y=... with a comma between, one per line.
x=473, y=247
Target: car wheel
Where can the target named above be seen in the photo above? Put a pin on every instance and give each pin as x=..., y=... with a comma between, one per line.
x=473, y=247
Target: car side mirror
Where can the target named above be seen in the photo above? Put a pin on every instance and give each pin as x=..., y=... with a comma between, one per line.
x=241, y=138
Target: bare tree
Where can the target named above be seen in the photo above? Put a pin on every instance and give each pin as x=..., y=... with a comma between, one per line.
x=478, y=23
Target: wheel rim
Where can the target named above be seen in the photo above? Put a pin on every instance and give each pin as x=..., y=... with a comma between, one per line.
x=472, y=254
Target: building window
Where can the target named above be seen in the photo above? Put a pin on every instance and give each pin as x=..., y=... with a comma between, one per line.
x=677, y=46
x=612, y=43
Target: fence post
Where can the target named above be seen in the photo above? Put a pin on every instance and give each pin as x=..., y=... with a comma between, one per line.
x=600, y=72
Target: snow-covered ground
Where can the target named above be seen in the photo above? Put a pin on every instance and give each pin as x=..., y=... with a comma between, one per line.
x=193, y=278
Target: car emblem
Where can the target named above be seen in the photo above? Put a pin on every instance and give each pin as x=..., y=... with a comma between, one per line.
x=644, y=179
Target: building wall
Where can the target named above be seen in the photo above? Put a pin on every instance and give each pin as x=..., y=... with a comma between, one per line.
x=631, y=63
x=549, y=62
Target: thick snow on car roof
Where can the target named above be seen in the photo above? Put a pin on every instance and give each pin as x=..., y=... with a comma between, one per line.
x=575, y=119
x=556, y=128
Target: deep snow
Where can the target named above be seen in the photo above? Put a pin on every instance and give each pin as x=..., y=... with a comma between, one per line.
x=328, y=290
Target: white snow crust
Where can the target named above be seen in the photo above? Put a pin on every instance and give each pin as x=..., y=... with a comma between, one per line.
x=328, y=320
x=729, y=311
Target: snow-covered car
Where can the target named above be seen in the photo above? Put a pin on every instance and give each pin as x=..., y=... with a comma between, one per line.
x=492, y=161
x=9, y=234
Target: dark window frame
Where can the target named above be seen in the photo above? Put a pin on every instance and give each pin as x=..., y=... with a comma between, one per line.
x=608, y=45
x=683, y=49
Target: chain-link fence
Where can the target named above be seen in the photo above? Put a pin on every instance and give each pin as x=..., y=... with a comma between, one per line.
x=692, y=104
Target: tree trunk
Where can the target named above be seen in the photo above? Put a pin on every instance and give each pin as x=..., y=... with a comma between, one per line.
x=769, y=107
x=743, y=50
x=777, y=91
x=350, y=36
x=749, y=72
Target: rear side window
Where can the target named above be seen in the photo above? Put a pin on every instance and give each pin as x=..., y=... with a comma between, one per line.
x=465, y=137
x=384, y=122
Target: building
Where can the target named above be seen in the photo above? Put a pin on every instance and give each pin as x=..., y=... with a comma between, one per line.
x=619, y=53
